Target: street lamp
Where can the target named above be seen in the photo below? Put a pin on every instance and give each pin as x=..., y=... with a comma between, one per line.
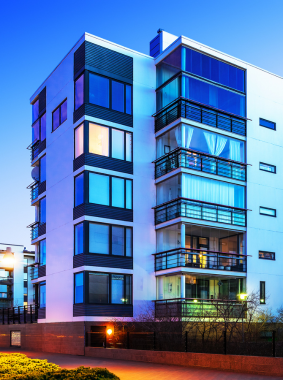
x=8, y=260
x=243, y=297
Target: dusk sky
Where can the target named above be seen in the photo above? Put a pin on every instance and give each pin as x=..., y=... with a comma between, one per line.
x=35, y=36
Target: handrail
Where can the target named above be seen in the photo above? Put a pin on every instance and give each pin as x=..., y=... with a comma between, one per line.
x=199, y=250
x=200, y=299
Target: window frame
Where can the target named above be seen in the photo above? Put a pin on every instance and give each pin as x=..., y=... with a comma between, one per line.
x=262, y=293
x=84, y=188
x=74, y=288
x=268, y=208
x=39, y=257
x=60, y=123
x=84, y=237
x=84, y=90
x=268, y=171
x=43, y=283
x=39, y=128
x=269, y=121
x=266, y=258
x=40, y=168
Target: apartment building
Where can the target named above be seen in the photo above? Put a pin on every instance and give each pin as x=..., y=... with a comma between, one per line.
x=158, y=181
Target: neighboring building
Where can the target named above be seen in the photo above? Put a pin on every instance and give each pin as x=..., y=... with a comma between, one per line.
x=16, y=288
x=184, y=206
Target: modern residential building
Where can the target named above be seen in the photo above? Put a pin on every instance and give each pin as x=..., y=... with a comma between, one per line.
x=158, y=181
x=16, y=288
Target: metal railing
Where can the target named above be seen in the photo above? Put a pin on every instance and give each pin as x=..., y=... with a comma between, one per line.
x=199, y=308
x=190, y=159
x=190, y=208
x=192, y=110
x=197, y=258
x=37, y=229
x=36, y=188
x=36, y=147
x=34, y=273
x=6, y=281
x=19, y=314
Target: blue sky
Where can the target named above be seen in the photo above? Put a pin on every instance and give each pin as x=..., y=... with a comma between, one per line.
x=35, y=36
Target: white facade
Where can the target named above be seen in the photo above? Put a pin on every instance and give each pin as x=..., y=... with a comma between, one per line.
x=264, y=99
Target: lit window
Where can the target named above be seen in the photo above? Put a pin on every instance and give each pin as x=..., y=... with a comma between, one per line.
x=267, y=167
x=266, y=255
x=267, y=211
x=79, y=140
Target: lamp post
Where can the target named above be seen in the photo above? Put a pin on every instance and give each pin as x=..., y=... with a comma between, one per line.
x=243, y=297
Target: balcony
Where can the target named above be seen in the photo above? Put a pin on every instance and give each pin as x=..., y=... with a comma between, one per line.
x=36, y=148
x=197, y=258
x=37, y=229
x=199, y=308
x=189, y=208
x=19, y=314
x=37, y=272
x=190, y=159
x=36, y=189
x=6, y=281
x=6, y=296
x=200, y=113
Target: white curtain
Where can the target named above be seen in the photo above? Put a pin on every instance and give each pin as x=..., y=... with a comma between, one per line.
x=160, y=151
x=178, y=136
x=208, y=190
x=187, y=134
x=235, y=150
x=215, y=143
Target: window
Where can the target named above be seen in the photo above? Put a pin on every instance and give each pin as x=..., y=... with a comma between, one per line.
x=267, y=167
x=35, y=111
x=79, y=288
x=79, y=140
x=79, y=238
x=107, y=288
x=42, y=294
x=42, y=210
x=121, y=191
x=42, y=168
x=109, y=93
x=39, y=129
x=79, y=92
x=99, y=142
x=110, y=240
x=59, y=115
x=262, y=292
x=266, y=255
x=267, y=124
x=42, y=252
x=79, y=189
x=267, y=211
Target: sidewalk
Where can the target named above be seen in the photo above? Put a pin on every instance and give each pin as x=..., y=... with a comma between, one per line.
x=128, y=370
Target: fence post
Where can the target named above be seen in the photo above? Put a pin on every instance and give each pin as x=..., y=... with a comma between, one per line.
x=273, y=343
x=25, y=315
x=19, y=314
x=153, y=340
x=31, y=313
x=128, y=340
x=8, y=316
x=224, y=342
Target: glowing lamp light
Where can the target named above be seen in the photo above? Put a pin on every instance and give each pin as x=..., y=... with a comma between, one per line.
x=8, y=260
x=262, y=301
x=243, y=296
x=195, y=300
x=109, y=331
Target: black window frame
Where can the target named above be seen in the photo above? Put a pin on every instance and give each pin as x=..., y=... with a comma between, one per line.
x=110, y=239
x=84, y=188
x=39, y=285
x=266, y=258
x=40, y=169
x=39, y=252
x=84, y=90
x=84, y=223
x=74, y=288
x=110, y=92
x=262, y=292
x=268, y=171
x=268, y=208
x=60, y=123
x=40, y=209
x=269, y=121
x=39, y=127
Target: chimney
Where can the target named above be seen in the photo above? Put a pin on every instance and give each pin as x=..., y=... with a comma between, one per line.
x=161, y=42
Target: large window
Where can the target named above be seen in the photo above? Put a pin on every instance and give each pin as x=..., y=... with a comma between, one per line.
x=42, y=210
x=79, y=92
x=42, y=169
x=42, y=294
x=79, y=238
x=42, y=252
x=79, y=140
x=79, y=189
x=113, y=191
x=110, y=240
x=108, y=93
x=59, y=115
x=39, y=129
x=35, y=110
x=79, y=288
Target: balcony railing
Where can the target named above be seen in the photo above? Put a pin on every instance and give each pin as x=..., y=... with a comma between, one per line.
x=37, y=229
x=197, y=258
x=6, y=281
x=200, y=308
x=36, y=148
x=6, y=295
x=34, y=273
x=19, y=314
x=36, y=188
x=192, y=110
x=190, y=159
x=190, y=208
x=37, y=271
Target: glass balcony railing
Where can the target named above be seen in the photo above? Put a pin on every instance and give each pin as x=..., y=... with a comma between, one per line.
x=36, y=148
x=37, y=229
x=190, y=159
x=190, y=208
x=197, y=258
x=36, y=188
x=200, y=113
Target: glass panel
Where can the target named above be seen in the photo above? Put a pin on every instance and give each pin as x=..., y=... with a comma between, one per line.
x=35, y=132
x=42, y=208
x=169, y=189
x=168, y=93
x=164, y=73
x=42, y=252
x=35, y=111
x=79, y=189
x=98, y=288
x=79, y=92
x=267, y=211
x=128, y=295
x=118, y=148
x=118, y=192
x=267, y=168
x=99, y=90
x=128, y=147
x=79, y=140
x=266, y=255
x=267, y=124
x=79, y=238
x=117, y=288
x=42, y=295
x=64, y=111
x=128, y=99
x=101, y=182
x=98, y=139
x=55, y=119
x=169, y=238
x=129, y=196
x=118, y=241
x=99, y=238
x=79, y=288
x=43, y=127
x=117, y=96
x=129, y=243
x=43, y=169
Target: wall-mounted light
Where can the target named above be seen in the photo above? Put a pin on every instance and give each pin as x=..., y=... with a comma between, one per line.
x=109, y=331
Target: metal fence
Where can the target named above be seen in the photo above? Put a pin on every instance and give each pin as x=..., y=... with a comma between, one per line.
x=19, y=314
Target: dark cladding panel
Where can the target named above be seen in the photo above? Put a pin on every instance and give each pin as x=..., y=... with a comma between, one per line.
x=107, y=261
x=81, y=310
x=42, y=102
x=79, y=58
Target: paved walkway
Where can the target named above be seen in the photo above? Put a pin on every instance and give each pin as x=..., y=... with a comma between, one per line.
x=128, y=370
